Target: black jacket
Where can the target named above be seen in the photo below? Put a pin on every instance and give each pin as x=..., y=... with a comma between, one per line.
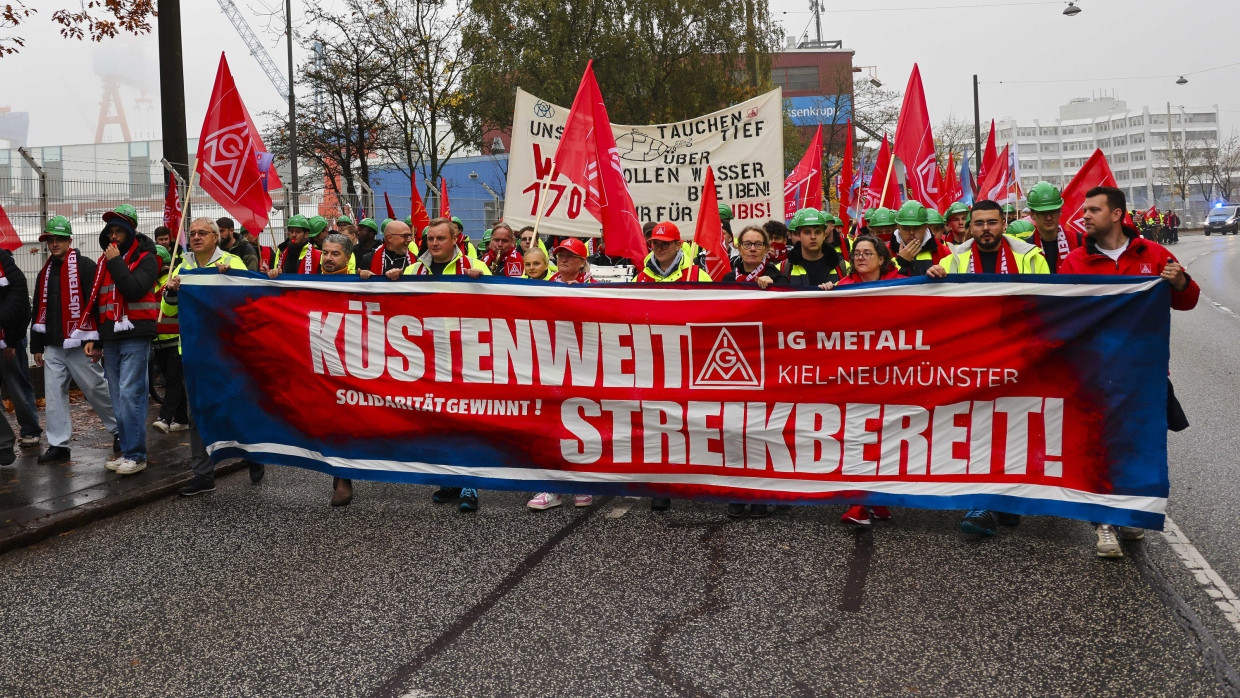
x=14, y=301
x=769, y=270
x=835, y=266
x=132, y=286
x=55, y=334
x=245, y=251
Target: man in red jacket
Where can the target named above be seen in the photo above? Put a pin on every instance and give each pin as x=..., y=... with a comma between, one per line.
x=1112, y=248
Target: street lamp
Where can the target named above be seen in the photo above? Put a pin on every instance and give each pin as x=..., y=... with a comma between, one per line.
x=1182, y=81
x=1072, y=10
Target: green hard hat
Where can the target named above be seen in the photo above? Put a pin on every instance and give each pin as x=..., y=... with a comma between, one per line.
x=834, y=218
x=409, y=221
x=881, y=217
x=383, y=226
x=163, y=254
x=807, y=217
x=58, y=226
x=1044, y=197
x=123, y=211
x=1020, y=229
x=935, y=218
x=725, y=212
x=298, y=221
x=344, y=219
x=369, y=223
x=317, y=225
x=911, y=213
x=1009, y=208
x=458, y=222
x=958, y=207
x=486, y=236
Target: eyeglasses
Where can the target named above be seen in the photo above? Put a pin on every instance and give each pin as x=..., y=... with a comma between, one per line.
x=751, y=245
x=199, y=233
x=406, y=236
x=866, y=254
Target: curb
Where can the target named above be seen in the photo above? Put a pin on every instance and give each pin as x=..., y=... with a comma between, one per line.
x=75, y=517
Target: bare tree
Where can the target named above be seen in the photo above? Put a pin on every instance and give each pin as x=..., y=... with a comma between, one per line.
x=952, y=136
x=1222, y=170
x=1184, y=163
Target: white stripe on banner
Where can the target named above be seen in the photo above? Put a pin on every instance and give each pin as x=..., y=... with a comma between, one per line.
x=703, y=293
x=1154, y=505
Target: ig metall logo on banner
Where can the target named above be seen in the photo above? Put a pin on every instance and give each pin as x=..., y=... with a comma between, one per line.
x=727, y=355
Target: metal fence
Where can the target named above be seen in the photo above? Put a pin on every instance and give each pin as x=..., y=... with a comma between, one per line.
x=84, y=203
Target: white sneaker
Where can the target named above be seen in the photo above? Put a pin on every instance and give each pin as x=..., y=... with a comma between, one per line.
x=1108, y=544
x=114, y=463
x=545, y=500
x=160, y=425
x=177, y=426
x=129, y=467
x=27, y=441
x=1131, y=533
x=582, y=500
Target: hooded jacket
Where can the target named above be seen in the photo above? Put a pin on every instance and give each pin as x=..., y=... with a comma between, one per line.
x=14, y=301
x=794, y=266
x=1142, y=257
x=133, y=286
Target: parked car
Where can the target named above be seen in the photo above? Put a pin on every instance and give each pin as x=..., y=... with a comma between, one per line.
x=1224, y=220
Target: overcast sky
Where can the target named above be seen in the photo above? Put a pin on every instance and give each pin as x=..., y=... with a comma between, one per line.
x=1112, y=45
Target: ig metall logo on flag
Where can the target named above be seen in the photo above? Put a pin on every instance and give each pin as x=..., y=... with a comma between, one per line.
x=726, y=355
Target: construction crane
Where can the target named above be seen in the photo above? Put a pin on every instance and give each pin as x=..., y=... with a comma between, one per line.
x=256, y=47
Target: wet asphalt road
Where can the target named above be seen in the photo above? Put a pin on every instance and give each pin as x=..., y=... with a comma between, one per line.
x=264, y=591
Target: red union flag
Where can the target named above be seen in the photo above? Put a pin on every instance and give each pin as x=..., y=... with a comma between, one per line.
x=845, y=189
x=989, y=156
x=418, y=217
x=709, y=232
x=1094, y=173
x=445, y=208
x=228, y=154
x=994, y=185
x=914, y=144
x=803, y=188
x=882, y=190
x=9, y=239
x=587, y=155
x=172, y=206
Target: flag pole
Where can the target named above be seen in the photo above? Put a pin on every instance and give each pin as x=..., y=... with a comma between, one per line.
x=542, y=204
x=176, y=246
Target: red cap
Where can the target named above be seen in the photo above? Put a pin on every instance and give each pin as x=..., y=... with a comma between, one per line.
x=572, y=246
x=666, y=231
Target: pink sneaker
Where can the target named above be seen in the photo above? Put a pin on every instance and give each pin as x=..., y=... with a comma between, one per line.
x=857, y=515
x=583, y=500
x=545, y=500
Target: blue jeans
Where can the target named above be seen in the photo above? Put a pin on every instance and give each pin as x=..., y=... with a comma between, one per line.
x=125, y=366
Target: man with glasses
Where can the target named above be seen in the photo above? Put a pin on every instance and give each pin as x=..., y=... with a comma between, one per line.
x=204, y=253
x=667, y=261
x=391, y=259
x=1045, y=204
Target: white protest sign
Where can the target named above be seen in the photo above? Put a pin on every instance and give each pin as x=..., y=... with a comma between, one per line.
x=664, y=166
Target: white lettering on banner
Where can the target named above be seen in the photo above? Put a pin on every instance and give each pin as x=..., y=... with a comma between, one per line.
x=663, y=165
x=366, y=345
x=853, y=440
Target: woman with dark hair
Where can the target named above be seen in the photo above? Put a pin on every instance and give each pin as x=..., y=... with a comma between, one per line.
x=871, y=261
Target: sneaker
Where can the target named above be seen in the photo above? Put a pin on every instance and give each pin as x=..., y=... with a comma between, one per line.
x=759, y=511
x=880, y=513
x=257, y=471
x=443, y=495
x=1108, y=544
x=1007, y=519
x=545, y=500
x=583, y=500
x=736, y=511
x=129, y=467
x=660, y=504
x=1131, y=533
x=177, y=426
x=197, y=485
x=857, y=515
x=28, y=441
x=469, y=500
x=160, y=425
x=54, y=454
x=114, y=463
x=980, y=522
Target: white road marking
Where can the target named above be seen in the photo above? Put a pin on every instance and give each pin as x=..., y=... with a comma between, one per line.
x=1218, y=591
x=417, y=693
x=621, y=508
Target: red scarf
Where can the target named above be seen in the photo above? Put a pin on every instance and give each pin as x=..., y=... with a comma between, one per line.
x=378, y=263
x=118, y=307
x=71, y=304
x=752, y=276
x=1006, y=264
x=582, y=278
x=512, y=263
x=307, y=263
x=778, y=253
x=1065, y=248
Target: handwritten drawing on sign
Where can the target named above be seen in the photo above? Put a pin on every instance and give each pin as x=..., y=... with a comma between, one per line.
x=663, y=165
